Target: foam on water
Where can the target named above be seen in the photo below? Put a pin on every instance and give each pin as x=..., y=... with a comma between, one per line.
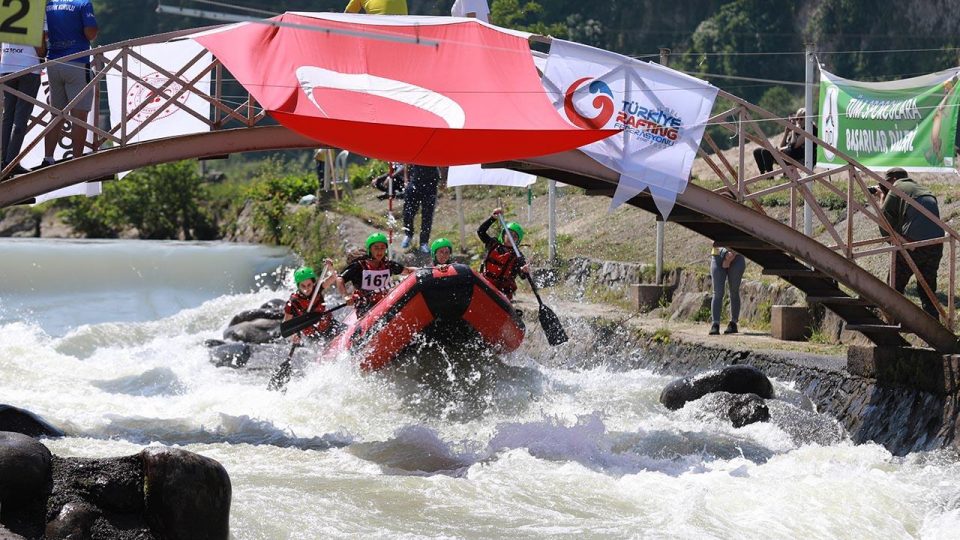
x=516, y=450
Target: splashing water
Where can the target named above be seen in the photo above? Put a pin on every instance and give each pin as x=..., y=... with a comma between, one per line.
x=509, y=448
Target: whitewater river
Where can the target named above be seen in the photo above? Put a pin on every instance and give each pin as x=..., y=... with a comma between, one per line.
x=105, y=339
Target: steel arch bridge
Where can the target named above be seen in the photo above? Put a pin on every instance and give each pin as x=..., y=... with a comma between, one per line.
x=828, y=272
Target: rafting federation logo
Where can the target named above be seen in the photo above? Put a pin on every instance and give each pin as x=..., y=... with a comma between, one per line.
x=603, y=102
x=139, y=93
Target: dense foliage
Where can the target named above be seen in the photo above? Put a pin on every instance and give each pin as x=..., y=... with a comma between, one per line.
x=158, y=202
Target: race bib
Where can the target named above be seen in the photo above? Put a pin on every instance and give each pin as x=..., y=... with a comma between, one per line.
x=375, y=280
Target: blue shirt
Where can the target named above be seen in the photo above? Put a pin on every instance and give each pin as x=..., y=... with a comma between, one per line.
x=66, y=20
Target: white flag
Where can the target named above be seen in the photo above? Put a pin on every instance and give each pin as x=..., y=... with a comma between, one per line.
x=174, y=120
x=472, y=175
x=63, y=149
x=662, y=113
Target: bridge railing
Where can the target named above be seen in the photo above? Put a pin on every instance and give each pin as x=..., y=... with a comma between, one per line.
x=848, y=183
x=164, y=89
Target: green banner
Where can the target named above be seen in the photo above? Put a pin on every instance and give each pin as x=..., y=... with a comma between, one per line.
x=910, y=123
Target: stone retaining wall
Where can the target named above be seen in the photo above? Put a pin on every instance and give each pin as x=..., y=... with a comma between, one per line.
x=906, y=403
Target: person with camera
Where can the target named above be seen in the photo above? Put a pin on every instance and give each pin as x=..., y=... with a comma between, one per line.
x=914, y=227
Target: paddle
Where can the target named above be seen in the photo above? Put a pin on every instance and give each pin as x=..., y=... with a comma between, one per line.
x=281, y=376
x=296, y=324
x=548, y=319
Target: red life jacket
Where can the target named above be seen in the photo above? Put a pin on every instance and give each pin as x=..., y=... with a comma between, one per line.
x=499, y=269
x=297, y=305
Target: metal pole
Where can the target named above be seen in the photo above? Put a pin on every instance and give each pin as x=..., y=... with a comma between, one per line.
x=552, y=220
x=664, y=60
x=811, y=60
x=463, y=229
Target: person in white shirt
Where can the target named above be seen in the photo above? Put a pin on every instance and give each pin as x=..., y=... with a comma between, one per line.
x=16, y=111
x=477, y=9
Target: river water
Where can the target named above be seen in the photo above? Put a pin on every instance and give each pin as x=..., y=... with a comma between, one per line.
x=105, y=339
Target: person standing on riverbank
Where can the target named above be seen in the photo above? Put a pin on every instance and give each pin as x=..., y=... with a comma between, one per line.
x=420, y=193
x=726, y=269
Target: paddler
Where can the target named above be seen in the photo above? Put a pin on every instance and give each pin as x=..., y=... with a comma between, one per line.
x=370, y=274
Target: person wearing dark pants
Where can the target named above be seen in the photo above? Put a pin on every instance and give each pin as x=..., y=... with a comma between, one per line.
x=791, y=145
x=16, y=111
x=726, y=269
x=420, y=194
x=914, y=227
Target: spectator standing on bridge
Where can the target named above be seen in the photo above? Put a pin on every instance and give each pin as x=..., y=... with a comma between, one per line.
x=378, y=7
x=71, y=27
x=420, y=193
x=477, y=9
x=726, y=269
x=791, y=145
x=16, y=111
x=914, y=227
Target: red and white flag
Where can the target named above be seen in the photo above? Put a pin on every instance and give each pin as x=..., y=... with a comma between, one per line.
x=426, y=90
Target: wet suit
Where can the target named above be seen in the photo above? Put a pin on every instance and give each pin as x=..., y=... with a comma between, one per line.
x=501, y=266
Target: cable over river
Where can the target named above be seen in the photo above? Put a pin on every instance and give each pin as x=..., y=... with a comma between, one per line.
x=106, y=341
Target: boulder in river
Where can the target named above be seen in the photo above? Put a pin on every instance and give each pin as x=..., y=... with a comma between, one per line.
x=738, y=379
x=235, y=355
x=158, y=493
x=261, y=325
x=25, y=466
x=22, y=421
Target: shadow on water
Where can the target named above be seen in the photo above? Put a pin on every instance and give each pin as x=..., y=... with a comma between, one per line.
x=460, y=385
x=232, y=430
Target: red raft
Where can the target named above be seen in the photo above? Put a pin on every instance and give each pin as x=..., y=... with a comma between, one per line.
x=449, y=306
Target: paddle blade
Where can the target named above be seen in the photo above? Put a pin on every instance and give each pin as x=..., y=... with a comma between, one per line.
x=551, y=326
x=281, y=376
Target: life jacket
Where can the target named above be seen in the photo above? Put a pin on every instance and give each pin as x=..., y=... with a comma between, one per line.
x=374, y=285
x=297, y=305
x=499, y=269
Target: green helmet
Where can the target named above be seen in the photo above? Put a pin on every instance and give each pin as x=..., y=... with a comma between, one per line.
x=302, y=274
x=376, y=238
x=440, y=243
x=515, y=227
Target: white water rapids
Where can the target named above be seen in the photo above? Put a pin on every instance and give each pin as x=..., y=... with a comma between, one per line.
x=105, y=340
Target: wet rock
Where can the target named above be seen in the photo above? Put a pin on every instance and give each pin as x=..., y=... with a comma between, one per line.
x=22, y=421
x=276, y=305
x=747, y=409
x=255, y=314
x=738, y=379
x=74, y=520
x=211, y=343
x=234, y=355
x=97, y=498
x=25, y=470
x=187, y=495
x=255, y=331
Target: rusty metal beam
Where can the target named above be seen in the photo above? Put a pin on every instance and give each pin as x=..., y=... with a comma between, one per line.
x=866, y=285
x=111, y=161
